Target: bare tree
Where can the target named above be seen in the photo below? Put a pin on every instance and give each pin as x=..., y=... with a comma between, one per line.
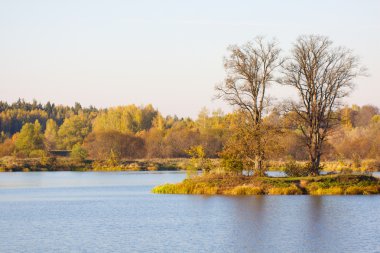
x=322, y=75
x=250, y=69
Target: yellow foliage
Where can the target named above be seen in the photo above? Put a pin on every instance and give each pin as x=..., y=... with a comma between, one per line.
x=245, y=190
x=291, y=190
x=335, y=190
x=357, y=190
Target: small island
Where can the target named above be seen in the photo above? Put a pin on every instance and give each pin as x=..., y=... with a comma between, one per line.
x=213, y=184
x=321, y=75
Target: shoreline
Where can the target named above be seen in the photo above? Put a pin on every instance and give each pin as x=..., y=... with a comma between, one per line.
x=14, y=164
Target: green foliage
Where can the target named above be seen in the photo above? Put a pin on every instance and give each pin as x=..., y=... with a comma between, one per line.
x=198, y=159
x=294, y=169
x=78, y=153
x=375, y=119
x=51, y=134
x=29, y=139
x=36, y=153
x=73, y=131
x=231, y=164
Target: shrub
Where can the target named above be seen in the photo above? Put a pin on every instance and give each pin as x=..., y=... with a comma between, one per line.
x=198, y=159
x=78, y=153
x=231, y=164
x=293, y=169
x=37, y=153
x=7, y=147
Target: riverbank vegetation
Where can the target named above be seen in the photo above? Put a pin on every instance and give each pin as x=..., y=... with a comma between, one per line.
x=225, y=184
x=14, y=164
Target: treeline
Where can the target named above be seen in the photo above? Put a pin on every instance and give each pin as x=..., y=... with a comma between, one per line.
x=130, y=132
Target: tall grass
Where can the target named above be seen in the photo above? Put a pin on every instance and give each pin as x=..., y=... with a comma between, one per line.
x=244, y=190
x=290, y=190
x=335, y=190
x=186, y=188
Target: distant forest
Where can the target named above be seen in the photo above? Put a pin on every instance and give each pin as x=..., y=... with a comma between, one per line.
x=131, y=132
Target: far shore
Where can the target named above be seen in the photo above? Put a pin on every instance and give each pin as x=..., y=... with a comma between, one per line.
x=13, y=164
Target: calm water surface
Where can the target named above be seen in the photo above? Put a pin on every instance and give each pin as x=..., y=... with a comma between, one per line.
x=115, y=212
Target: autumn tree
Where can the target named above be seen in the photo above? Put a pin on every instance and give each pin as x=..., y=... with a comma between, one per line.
x=250, y=71
x=73, y=131
x=364, y=115
x=180, y=137
x=240, y=150
x=322, y=75
x=100, y=145
x=198, y=160
x=51, y=134
x=212, y=131
x=30, y=139
x=125, y=119
x=7, y=147
x=155, y=138
x=78, y=153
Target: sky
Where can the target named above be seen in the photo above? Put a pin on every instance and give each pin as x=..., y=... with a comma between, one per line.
x=167, y=53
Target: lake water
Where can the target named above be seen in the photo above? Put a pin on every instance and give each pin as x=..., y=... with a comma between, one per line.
x=115, y=212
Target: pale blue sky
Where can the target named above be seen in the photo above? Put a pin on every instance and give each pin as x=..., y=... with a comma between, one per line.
x=168, y=53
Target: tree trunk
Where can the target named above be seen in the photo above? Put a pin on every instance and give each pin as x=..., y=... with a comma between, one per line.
x=315, y=161
x=259, y=170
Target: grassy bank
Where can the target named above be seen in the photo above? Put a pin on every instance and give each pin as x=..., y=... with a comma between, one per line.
x=243, y=185
x=11, y=164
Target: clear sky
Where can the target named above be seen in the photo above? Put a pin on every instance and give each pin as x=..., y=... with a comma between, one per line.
x=168, y=53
